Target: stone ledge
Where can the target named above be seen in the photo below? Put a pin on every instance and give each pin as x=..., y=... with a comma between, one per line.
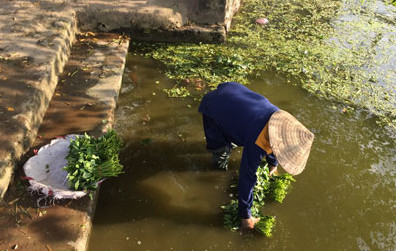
x=161, y=15
x=34, y=47
x=88, y=89
x=185, y=34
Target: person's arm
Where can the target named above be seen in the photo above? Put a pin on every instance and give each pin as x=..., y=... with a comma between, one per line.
x=271, y=160
x=251, y=159
x=272, y=163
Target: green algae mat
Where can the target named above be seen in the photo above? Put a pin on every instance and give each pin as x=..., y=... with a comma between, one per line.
x=309, y=41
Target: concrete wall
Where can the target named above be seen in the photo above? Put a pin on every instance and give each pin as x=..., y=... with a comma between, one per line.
x=213, y=11
x=158, y=17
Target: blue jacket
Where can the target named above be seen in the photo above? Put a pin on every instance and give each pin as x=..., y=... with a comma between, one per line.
x=241, y=115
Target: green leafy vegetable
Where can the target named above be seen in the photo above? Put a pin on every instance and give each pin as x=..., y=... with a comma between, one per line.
x=90, y=160
x=231, y=219
x=266, y=225
x=280, y=186
x=274, y=188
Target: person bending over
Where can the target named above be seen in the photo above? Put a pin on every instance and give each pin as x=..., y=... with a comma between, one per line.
x=235, y=115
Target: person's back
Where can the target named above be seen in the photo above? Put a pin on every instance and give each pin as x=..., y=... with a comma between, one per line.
x=238, y=111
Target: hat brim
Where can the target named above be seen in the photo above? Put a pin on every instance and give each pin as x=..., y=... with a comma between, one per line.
x=290, y=141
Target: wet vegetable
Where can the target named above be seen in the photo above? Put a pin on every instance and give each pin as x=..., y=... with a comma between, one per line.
x=279, y=187
x=266, y=225
x=273, y=188
x=90, y=160
x=230, y=218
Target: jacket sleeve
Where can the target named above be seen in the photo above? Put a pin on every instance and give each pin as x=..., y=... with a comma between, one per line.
x=251, y=159
x=271, y=160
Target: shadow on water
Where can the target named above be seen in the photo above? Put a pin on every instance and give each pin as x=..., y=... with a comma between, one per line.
x=169, y=198
x=157, y=190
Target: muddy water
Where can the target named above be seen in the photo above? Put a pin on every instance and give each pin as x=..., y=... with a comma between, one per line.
x=169, y=198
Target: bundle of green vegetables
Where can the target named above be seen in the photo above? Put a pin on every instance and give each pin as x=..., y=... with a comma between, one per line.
x=274, y=188
x=91, y=160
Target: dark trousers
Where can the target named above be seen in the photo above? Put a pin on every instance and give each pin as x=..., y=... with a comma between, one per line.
x=215, y=138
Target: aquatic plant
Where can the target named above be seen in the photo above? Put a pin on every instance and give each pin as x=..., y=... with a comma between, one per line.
x=299, y=41
x=274, y=188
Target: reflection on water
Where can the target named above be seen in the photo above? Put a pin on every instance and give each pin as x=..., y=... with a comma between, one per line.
x=169, y=198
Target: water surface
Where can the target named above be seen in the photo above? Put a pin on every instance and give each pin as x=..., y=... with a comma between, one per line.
x=170, y=198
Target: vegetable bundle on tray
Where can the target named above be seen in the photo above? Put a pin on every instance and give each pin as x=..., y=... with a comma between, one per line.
x=91, y=160
x=273, y=188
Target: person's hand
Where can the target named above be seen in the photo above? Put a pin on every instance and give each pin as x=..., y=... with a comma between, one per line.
x=247, y=225
x=272, y=170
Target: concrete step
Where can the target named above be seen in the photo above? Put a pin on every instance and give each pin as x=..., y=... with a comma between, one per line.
x=34, y=47
x=84, y=101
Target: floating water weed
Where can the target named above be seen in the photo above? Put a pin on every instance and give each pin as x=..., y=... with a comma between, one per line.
x=300, y=41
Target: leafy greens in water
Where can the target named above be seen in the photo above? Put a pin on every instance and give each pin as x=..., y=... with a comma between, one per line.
x=274, y=188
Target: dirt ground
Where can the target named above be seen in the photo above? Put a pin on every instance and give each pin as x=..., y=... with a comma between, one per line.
x=54, y=225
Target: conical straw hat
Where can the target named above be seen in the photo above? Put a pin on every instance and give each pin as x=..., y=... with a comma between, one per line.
x=290, y=141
